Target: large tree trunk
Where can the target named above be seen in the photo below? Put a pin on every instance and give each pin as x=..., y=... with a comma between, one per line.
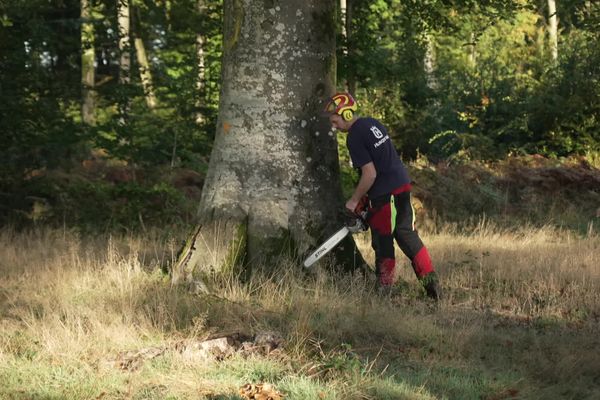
x=273, y=178
x=553, y=29
x=88, y=68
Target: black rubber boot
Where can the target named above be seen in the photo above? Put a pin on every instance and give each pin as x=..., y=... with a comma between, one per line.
x=432, y=286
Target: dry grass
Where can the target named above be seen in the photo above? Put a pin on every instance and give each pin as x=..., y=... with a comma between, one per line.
x=521, y=313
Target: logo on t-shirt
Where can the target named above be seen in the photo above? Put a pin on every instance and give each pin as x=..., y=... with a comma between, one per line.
x=378, y=135
x=377, y=132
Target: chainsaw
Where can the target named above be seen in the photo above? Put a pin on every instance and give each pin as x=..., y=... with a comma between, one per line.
x=357, y=223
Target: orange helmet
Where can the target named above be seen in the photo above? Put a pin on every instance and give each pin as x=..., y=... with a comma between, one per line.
x=342, y=104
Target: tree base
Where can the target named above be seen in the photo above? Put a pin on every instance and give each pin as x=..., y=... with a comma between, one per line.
x=213, y=247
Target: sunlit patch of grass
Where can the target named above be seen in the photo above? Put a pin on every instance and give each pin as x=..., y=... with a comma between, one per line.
x=519, y=313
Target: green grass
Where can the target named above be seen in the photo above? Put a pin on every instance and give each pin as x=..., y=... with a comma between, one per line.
x=520, y=319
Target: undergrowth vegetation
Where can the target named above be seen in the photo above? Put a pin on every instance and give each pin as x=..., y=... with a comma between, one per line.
x=519, y=319
x=532, y=190
x=102, y=195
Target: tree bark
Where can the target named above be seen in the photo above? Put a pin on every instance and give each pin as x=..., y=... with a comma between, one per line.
x=350, y=33
x=88, y=68
x=473, y=51
x=429, y=63
x=201, y=82
x=168, y=14
x=123, y=21
x=343, y=11
x=273, y=179
x=123, y=11
x=347, y=33
x=144, y=64
x=553, y=29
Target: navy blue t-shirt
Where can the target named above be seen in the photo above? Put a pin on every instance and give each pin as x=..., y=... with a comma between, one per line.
x=368, y=141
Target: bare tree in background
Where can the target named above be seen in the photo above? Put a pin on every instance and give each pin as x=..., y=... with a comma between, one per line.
x=123, y=20
x=88, y=68
x=553, y=29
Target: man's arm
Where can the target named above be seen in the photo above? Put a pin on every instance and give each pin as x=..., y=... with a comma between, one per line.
x=367, y=178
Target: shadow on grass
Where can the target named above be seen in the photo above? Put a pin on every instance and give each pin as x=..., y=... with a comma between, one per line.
x=500, y=358
x=443, y=352
x=25, y=395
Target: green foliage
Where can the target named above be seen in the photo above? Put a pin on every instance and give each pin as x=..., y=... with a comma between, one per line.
x=39, y=88
x=458, y=81
x=343, y=360
x=40, y=101
x=37, y=130
x=348, y=175
x=564, y=111
x=492, y=88
x=530, y=190
x=512, y=100
x=170, y=133
x=96, y=205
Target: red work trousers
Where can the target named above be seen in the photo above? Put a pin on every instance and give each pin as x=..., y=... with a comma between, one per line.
x=392, y=217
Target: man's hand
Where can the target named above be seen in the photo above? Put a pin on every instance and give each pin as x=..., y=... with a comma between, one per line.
x=359, y=206
x=351, y=205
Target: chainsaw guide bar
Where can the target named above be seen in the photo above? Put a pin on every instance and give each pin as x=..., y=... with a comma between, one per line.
x=326, y=247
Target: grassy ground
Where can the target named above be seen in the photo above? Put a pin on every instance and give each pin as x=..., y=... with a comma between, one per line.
x=520, y=320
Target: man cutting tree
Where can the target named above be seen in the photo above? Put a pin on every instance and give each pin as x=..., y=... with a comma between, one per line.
x=385, y=184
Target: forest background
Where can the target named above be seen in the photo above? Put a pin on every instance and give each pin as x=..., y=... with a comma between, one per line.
x=108, y=115
x=108, y=109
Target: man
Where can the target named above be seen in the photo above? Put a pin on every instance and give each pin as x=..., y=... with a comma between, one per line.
x=385, y=181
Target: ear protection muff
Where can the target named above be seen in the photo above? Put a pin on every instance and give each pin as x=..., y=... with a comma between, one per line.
x=347, y=115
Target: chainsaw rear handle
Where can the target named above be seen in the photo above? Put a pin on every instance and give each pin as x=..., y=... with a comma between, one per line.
x=362, y=206
x=358, y=225
x=356, y=222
